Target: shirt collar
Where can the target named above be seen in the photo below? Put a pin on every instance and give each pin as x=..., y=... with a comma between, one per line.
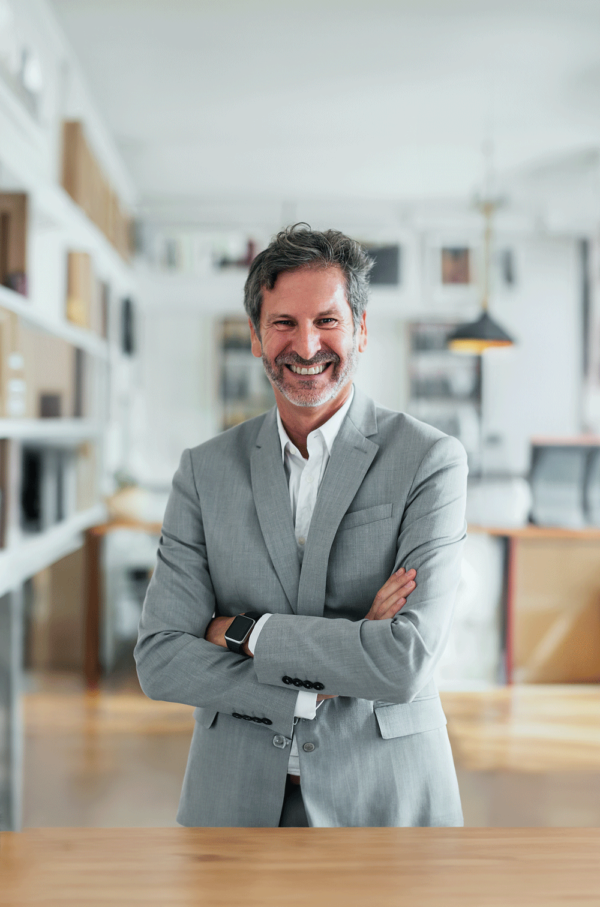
x=328, y=430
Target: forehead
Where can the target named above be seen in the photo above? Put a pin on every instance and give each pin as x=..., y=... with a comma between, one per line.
x=307, y=292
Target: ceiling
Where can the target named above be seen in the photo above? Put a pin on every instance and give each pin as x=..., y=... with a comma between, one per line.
x=282, y=101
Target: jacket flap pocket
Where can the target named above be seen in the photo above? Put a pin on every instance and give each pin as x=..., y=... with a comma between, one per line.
x=370, y=515
x=205, y=717
x=410, y=717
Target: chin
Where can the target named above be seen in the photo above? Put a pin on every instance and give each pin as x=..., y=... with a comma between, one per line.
x=309, y=397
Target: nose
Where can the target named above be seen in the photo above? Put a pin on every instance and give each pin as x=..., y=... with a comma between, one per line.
x=307, y=341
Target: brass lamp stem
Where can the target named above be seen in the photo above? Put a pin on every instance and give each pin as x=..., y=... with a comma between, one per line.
x=487, y=208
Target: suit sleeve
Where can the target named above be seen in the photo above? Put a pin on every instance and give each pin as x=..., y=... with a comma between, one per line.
x=174, y=661
x=387, y=660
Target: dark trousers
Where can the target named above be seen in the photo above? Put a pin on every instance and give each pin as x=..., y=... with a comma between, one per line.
x=293, y=814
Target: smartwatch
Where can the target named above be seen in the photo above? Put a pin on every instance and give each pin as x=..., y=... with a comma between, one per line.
x=239, y=631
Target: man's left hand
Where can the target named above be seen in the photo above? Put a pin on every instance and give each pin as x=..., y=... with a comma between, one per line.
x=216, y=630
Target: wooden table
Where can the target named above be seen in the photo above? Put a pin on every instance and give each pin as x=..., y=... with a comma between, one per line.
x=420, y=867
x=555, y=638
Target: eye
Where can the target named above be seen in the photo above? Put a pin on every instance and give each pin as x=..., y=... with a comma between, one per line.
x=328, y=321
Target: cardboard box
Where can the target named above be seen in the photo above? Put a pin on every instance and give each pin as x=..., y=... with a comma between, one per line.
x=86, y=476
x=13, y=370
x=80, y=288
x=13, y=241
x=86, y=183
x=50, y=369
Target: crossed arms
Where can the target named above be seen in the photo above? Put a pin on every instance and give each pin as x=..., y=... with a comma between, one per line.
x=378, y=658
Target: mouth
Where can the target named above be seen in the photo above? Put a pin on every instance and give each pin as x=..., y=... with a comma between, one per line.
x=309, y=372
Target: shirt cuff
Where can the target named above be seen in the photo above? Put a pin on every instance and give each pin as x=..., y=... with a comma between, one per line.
x=256, y=631
x=306, y=705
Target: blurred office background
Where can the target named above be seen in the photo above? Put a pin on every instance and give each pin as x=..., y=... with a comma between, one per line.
x=148, y=150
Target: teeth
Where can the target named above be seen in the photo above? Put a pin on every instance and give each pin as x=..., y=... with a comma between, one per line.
x=309, y=371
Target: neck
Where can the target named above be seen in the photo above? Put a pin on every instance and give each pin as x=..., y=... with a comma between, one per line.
x=299, y=421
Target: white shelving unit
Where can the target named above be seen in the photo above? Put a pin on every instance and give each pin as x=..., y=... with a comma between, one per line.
x=34, y=553
x=30, y=162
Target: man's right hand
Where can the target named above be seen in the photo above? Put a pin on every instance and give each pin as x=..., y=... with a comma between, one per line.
x=388, y=601
x=392, y=595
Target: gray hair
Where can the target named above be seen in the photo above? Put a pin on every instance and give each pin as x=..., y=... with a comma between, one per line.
x=300, y=247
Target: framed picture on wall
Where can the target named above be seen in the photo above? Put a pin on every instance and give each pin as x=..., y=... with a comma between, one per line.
x=455, y=265
x=387, y=265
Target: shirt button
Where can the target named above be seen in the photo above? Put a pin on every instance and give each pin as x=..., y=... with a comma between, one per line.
x=309, y=479
x=301, y=540
x=308, y=747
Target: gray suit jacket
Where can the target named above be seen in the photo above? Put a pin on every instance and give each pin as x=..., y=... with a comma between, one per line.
x=393, y=495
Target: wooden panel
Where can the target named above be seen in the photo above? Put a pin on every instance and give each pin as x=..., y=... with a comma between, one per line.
x=556, y=611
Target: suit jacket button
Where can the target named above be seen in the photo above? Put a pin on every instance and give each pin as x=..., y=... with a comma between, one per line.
x=297, y=682
x=267, y=721
x=318, y=686
x=247, y=717
x=308, y=747
x=308, y=685
x=279, y=741
x=287, y=679
x=236, y=715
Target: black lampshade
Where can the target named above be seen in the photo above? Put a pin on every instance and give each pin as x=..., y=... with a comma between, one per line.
x=477, y=336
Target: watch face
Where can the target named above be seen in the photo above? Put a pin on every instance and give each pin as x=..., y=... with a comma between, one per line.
x=239, y=629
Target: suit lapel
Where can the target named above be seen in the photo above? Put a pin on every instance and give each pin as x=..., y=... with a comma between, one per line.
x=272, y=501
x=351, y=457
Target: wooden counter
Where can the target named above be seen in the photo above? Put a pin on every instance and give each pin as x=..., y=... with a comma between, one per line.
x=173, y=867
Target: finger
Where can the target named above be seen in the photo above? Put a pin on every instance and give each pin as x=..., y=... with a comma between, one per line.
x=394, y=609
x=403, y=591
x=392, y=585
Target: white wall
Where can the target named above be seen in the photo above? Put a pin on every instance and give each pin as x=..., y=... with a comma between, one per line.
x=535, y=388
x=179, y=377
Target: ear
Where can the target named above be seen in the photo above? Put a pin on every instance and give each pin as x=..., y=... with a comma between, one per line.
x=256, y=344
x=362, y=333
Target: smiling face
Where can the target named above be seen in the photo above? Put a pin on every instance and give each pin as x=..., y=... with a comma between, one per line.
x=307, y=340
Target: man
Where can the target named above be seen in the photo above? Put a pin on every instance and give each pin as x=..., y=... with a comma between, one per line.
x=313, y=520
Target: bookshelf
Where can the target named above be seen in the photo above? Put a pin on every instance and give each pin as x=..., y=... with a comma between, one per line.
x=65, y=270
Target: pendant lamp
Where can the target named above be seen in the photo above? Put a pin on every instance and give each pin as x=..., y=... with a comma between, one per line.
x=475, y=337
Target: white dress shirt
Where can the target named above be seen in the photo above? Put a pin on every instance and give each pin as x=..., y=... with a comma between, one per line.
x=304, y=479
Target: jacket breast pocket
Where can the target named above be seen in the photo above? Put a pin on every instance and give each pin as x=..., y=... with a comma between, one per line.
x=368, y=515
x=406, y=718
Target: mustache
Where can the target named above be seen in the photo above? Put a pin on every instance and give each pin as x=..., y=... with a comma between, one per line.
x=319, y=359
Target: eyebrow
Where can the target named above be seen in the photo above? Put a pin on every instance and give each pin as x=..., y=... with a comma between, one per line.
x=325, y=314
